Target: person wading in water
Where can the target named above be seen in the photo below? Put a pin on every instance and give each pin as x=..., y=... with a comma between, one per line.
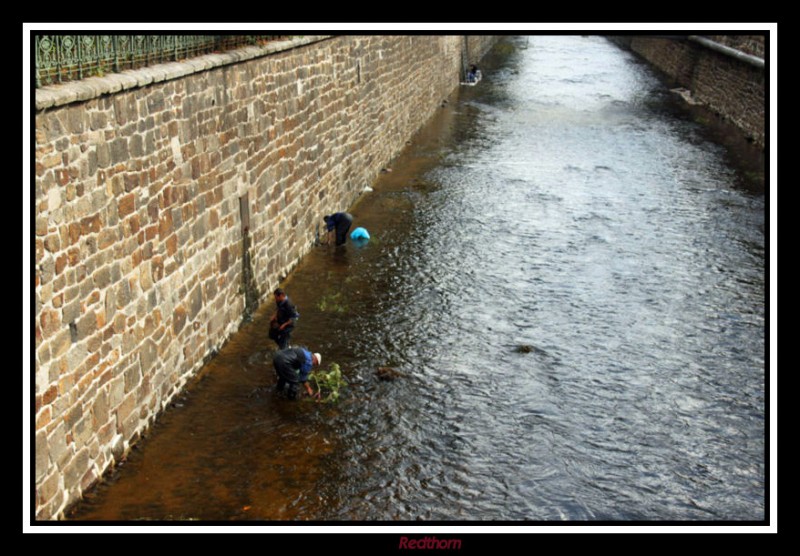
x=293, y=366
x=282, y=322
x=340, y=222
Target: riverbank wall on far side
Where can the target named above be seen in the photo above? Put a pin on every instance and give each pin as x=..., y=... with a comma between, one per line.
x=725, y=74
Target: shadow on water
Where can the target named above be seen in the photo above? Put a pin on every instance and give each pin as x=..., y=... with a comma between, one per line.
x=569, y=289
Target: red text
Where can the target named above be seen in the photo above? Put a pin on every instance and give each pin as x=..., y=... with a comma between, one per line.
x=430, y=543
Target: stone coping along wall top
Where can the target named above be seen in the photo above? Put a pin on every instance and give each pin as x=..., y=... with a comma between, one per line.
x=92, y=87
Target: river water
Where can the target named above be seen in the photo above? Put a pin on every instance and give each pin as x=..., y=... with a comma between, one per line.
x=569, y=276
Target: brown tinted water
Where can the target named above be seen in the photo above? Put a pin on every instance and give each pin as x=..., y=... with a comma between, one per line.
x=570, y=279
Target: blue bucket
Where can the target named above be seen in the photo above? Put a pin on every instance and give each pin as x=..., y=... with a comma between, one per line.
x=359, y=233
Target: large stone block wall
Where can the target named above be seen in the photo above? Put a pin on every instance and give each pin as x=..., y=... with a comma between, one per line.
x=148, y=187
x=729, y=87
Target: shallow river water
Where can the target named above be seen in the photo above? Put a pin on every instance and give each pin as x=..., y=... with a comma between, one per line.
x=570, y=278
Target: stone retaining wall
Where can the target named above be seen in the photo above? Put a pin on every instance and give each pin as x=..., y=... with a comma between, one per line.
x=729, y=87
x=170, y=200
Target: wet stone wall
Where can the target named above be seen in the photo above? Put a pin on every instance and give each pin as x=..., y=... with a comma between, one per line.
x=171, y=200
x=729, y=87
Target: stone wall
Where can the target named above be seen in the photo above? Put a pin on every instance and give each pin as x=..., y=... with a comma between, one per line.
x=729, y=87
x=170, y=200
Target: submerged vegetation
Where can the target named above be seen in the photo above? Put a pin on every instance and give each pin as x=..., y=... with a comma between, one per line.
x=505, y=48
x=332, y=303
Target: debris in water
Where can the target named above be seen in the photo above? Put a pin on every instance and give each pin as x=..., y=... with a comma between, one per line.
x=686, y=95
x=523, y=348
x=388, y=374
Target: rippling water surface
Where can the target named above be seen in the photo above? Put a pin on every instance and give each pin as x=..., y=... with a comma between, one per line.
x=561, y=207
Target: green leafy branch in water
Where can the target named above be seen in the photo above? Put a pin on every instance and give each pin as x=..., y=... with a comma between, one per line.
x=326, y=384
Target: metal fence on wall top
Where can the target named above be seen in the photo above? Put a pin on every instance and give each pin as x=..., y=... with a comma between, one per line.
x=61, y=58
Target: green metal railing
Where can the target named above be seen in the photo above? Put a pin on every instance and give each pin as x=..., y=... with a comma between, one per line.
x=61, y=58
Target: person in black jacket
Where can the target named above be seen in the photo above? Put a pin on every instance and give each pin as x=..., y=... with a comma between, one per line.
x=293, y=365
x=341, y=222
x=282, y=322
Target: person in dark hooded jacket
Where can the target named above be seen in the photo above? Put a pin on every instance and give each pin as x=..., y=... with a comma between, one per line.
x=293, y=365
x=283, y=321
x=341, y=222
